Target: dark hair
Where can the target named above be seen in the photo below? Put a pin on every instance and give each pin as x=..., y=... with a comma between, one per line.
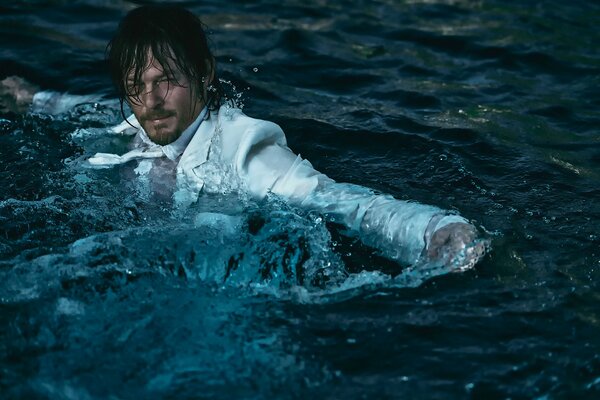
x=175, y=37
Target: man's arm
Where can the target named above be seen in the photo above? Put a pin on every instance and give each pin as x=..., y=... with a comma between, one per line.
x=405, y=231
x=17, y=95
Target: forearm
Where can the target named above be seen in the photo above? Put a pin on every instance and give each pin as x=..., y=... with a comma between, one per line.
x=49, y=102
x=401, y=230
x=19, y=96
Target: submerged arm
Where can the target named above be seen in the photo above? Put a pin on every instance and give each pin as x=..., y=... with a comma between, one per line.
x=18, y=95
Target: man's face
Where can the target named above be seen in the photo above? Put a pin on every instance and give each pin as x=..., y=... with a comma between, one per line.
x=167, y=104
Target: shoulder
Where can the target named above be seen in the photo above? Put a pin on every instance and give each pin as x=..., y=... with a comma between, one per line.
x=242, y=132
x=234, y=122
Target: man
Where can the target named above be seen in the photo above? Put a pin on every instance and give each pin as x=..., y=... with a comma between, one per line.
x=162, y=67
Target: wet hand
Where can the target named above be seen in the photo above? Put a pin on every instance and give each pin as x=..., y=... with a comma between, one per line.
x=16, y=94
x=456, y=245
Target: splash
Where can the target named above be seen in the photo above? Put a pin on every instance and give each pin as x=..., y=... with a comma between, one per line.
x=105, y=225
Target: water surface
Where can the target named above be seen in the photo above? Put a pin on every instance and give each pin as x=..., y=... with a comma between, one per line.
x=486, y=108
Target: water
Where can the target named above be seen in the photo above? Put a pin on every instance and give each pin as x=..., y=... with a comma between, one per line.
x=484, y=107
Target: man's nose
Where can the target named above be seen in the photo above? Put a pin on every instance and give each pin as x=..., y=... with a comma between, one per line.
x=155, y=97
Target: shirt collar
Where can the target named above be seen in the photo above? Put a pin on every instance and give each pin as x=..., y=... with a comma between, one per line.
x=175, y=149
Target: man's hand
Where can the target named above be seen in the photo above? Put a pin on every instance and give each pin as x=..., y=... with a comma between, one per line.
x=456, y=246
x=16, y=94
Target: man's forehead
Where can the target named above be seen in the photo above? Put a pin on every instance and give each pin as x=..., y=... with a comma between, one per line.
x=153, y=66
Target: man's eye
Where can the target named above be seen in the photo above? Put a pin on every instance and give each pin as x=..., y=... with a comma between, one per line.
x=173, y=81
x=134, y=88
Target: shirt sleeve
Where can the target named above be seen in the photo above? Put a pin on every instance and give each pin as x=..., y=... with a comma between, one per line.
x=399, y=229
x=55, y=103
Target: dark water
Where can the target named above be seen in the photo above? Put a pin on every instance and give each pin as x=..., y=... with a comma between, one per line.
x=486, y=107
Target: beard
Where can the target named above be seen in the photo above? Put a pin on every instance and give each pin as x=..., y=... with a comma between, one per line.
x=163, y=131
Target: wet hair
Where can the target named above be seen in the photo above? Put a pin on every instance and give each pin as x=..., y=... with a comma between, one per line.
x=176, y=39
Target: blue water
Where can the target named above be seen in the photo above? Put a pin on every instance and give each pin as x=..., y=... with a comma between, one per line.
x=488, y=108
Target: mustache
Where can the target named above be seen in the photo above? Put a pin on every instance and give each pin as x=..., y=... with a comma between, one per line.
x=157, y=114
